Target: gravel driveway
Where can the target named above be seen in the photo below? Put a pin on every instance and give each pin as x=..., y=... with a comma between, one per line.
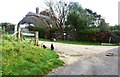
x=86, y=60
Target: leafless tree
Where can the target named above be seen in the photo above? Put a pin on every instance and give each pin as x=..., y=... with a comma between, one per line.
x=59, y=9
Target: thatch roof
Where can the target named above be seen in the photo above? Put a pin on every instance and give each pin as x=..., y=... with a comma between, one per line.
x=36, y=19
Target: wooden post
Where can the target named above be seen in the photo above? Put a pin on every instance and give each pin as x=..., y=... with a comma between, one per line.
x=4, y=29
x=15, y=30
x=19, y=33
x=36, y=38
x=110, y=39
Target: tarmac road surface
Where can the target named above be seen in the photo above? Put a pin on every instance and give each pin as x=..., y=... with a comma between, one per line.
x=86, y=60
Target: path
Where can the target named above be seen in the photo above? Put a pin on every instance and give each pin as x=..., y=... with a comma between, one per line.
x=86, y=60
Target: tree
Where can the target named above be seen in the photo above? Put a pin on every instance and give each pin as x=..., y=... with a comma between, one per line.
x=7, y=27
x=115, y=30
x=104, y=27
x=95, y=17
x=78, y=17
x=53, y=17
x=115, y=33
x=58, y=9
x=83, y=22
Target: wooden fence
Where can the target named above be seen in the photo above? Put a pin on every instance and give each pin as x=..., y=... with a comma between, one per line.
x=18, y=34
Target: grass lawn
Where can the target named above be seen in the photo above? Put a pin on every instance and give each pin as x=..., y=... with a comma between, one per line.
x=27, y=59
x=68, y=42
x=77, y=42
x=80, y=42
x=72, y=42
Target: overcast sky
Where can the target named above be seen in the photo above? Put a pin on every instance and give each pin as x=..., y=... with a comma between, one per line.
x=14, y=10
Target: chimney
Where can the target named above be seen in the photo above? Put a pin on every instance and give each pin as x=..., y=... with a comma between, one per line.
x=37, y=10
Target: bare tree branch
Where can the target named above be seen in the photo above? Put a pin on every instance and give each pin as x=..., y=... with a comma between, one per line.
x=59, y=10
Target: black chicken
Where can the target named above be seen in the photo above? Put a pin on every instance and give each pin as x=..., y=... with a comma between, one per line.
x=52, y=47
x=44, y=47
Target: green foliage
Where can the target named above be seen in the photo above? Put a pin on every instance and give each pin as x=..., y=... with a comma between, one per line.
x=1, y=30
x=103, y=26
x=82, y=21
x=26, y=59
x=78, y=19
x=52, y=32
x=116, y=27
x=87, y=34
x=9, y=27
x=115, y=31
x=115, y=38
x=40, y=29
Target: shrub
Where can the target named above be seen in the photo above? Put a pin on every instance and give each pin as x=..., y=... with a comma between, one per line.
x=87, y=34
x=40, y=29
x=103, y=37
x=115, y=38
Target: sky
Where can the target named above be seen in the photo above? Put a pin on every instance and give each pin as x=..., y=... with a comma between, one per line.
x=14, y=10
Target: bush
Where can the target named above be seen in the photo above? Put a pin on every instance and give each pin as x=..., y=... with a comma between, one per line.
x=115, y=38
x=52, y=32
x=87, y=34
x=40, y=29
x=102, y=37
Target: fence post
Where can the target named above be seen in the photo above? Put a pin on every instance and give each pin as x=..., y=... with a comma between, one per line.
x=19, y=36
x=36, y=38
x=19, y=33
x=3, y=29
x=110, y=39
x=15, y=30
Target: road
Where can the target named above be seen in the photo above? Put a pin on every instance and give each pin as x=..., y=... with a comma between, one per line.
x=86, y=60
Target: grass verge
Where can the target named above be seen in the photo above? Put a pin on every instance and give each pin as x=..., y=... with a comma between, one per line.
x=26, y=59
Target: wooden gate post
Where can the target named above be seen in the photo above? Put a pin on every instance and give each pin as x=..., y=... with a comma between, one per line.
x=36, y=38
x=15, y=30
x=19, y=33
x=110, y=39
x=3, y=29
